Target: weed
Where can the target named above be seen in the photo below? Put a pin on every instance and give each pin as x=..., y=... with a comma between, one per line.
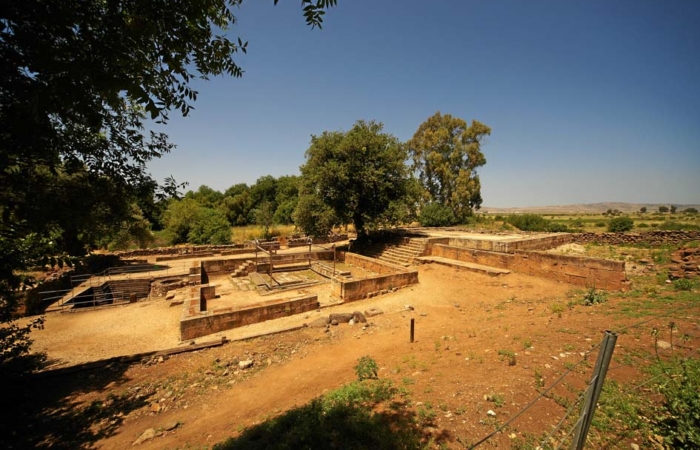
x=557, y=308
x=682, y=284
x=443, y=407
x=527, y=344
x=593, y=297
x=408, y=381
x=426, y=416
x=507, y=355
x=437, y=344
x=539, y=380
x=366, y=368
x=568, y=348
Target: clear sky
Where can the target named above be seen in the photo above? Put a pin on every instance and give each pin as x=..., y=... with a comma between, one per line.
x=588, y=101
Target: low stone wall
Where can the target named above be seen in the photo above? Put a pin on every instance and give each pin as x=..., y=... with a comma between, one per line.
x=351, y=290
x=536, y=242
x=195, y=323
x=176, y=250
x=390, y=277
x=219, y=266
x=185, y=256
x=658, y=237
x=577, y=270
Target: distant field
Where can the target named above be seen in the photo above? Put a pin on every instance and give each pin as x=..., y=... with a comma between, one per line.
x=585, y=208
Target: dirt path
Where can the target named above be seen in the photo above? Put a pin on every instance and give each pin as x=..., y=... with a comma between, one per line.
x=327, y=362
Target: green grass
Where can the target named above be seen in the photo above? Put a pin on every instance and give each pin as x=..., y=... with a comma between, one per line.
x=348, y=417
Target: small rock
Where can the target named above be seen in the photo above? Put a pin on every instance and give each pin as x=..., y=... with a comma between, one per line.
x=373, y=312
x=155, y=407
x=334, y=322
x=352, y=322
x=171, y=426
x=145, y=436
x=555, y=358
x=663, y=344
x=634, y=446
x=245, y=364
x=512, y=435
x=409, y=307
x=491, y=413
x=669, y=282
x=160, y=359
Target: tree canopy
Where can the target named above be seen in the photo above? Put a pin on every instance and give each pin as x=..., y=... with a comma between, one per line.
x=446, y=153
x=357, y=177
x=78, y=81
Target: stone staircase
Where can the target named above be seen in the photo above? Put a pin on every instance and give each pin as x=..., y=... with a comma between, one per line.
x=399, y=251
x=244, y=269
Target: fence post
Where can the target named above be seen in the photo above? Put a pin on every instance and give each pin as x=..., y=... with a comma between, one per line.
x=413, y=327
x=594, y=389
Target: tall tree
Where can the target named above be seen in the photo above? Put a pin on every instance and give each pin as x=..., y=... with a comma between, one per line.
x=357, y=177
x=446, y=153
x=77, y=81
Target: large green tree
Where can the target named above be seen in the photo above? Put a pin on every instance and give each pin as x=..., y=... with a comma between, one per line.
x=446, y=154
x=357, y=177
x=78, y=80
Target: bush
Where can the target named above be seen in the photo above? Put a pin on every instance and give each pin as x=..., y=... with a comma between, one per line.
x=436, y=215
x=678, y=226
x=366, y=368
x=619, y=224
x=600, y=224
x=682, y=284
x=535, y=222
x=678, y=420
x=643, y=225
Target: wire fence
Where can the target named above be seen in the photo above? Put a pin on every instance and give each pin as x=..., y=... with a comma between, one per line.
x=577, y=431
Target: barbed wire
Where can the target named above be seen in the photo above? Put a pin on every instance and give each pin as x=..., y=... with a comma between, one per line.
x=532, y=403
x=569, y=411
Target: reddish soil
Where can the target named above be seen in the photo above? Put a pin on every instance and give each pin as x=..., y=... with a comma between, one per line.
x=462, y=320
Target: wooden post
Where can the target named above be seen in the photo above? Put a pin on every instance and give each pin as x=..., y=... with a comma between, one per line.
x=413, y=327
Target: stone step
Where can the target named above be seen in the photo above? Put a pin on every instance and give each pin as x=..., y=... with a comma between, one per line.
x=473, y=267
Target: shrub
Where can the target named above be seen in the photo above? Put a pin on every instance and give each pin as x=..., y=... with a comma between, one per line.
x=690, y=210
x=437, y=215
x=366, y=368
x=600, y=224
x=593, y=297
x=677, y=226
x=535, y=222
x=683, y=284
x=619, y=224
x=678, y=420
x=643, y=225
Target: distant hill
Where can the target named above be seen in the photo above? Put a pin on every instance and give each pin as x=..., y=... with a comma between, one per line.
x=584, y=208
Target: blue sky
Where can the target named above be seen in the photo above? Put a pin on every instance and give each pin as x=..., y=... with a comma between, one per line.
x=588, y=101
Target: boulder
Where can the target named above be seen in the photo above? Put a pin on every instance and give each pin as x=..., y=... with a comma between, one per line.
x=358, y=317
x=321, y=322
x=341, y=317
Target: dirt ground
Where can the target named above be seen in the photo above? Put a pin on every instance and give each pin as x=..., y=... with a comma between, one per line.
x=482, y=344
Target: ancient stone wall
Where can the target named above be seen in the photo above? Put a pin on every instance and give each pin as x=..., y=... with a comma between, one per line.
x=390, y=277
x=577, y=270
x=658, y=237
x=196, y=323
x=685, y=263
x=177, y=250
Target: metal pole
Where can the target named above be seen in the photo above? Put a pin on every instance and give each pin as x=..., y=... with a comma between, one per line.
x=413, y=327
x=595, y=387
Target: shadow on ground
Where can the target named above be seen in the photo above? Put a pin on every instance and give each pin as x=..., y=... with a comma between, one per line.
x=45, y=411
x=342, y=420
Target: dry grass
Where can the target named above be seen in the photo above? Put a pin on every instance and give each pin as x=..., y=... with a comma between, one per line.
x=240, y=235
